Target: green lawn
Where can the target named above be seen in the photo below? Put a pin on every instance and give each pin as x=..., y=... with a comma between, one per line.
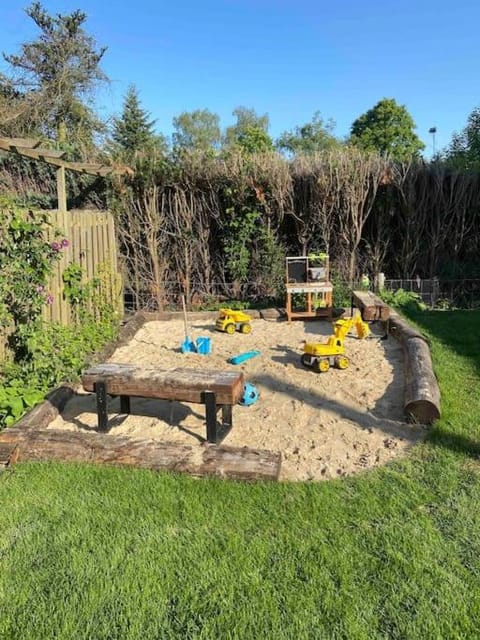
x=88, y=552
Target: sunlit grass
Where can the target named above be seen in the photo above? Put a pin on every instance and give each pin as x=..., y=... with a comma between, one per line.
x=90, y=552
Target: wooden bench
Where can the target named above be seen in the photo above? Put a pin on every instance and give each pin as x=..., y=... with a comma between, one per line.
x=215, y=389
x=371, y=306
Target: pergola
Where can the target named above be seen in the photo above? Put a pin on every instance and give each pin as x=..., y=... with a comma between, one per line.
x=31, y=148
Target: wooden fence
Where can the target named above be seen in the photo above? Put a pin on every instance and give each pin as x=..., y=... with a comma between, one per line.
x=91, y=245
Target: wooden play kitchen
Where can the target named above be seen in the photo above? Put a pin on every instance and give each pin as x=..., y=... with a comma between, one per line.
x=308, y=276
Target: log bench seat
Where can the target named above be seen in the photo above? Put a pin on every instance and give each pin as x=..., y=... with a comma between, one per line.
x=215, y=389
x=371, y=306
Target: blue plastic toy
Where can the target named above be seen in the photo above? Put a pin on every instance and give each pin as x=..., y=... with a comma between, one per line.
x=243, y=356
x=250, y=395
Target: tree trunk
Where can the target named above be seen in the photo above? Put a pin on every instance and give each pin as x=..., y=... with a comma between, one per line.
x=422, y=394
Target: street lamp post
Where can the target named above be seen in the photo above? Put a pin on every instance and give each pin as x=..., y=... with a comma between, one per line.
x=433, y=131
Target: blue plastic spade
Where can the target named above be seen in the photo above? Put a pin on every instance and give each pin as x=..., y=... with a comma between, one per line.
x=242, y=357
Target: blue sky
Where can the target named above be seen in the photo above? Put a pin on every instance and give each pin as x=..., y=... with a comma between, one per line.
x=281, y=57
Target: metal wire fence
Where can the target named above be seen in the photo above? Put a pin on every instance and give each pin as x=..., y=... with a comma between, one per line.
x=434, y=292
x=441, y=293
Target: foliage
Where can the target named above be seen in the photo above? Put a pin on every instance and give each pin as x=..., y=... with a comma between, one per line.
x=54, y=75
x=387, y=128
x=26, y=260
x=311, y=137
x=133, y=130
x=464, y=150
x=16, y=399
x=254, y=140
x=405, y=300
x=197, y=130
x=249, y=127
x=45, y=354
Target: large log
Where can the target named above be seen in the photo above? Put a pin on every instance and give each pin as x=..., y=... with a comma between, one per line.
x=197, y=460
x=422, y=394
x=400, y=329
x=182, y=384
x=371, y=306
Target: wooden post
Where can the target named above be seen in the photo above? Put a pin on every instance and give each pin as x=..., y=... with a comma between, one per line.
x=61, y=189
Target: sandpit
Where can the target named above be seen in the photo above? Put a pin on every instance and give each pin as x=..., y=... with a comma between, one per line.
x=325, y=425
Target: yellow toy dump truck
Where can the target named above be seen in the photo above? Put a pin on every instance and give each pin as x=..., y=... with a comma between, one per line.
x=230, y=321
x=321, y=355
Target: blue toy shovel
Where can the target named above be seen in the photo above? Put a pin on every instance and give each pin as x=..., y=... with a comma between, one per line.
x=242, y=357
x=188, y=345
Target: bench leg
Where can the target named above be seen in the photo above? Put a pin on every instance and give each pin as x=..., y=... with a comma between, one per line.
x=124, y=404
x=227, y=415
x=102, y=413
x=211, y=415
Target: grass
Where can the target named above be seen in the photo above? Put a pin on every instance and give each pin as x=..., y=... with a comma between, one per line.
x=90, y=552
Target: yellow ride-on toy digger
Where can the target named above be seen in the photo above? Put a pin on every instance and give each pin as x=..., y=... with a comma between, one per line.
x=230, y=321
x=321, y=355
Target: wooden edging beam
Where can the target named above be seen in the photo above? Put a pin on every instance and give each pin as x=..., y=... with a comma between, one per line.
x=237, y=463
x=422, y=393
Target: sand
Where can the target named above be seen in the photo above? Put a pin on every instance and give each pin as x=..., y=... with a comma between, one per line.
x=325, y=425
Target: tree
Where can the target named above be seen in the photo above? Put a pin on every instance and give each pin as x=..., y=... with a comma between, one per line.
x=464, y=150
x=312, y=137
x=250, y=131
x=56, y=74
x=133, y=131
x=254, y=140
x=197, y=130
x=387, y=128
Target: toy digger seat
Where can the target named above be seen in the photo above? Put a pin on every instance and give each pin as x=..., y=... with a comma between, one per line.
x=321, y=355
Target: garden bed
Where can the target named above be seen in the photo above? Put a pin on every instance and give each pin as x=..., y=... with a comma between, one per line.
x=324, y=425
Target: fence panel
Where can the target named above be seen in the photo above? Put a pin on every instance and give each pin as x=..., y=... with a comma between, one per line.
x=92, y=244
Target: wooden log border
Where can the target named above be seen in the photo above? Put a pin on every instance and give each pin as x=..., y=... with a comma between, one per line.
x=422, y=393
x=30, y=440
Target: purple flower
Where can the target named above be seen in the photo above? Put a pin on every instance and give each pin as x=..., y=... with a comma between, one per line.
x=55, y=246
x=64, y=243
x=39, y=288
x=49, y=299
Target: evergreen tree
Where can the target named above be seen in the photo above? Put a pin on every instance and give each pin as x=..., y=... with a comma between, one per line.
x=133, y=130
x=464, y=150
x=53, y=77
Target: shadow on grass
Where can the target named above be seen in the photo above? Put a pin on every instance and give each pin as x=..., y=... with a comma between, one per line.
x=455, y=442
x=458, y=330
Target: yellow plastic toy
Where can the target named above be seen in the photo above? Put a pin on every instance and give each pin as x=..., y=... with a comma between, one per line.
x=321, y=355
x=230, y=321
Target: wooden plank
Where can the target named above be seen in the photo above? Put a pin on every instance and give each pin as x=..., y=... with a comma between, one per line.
x=61, y=189
x=180, y=384
x=371, y=306
x=198, y=460
x=31, y=143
